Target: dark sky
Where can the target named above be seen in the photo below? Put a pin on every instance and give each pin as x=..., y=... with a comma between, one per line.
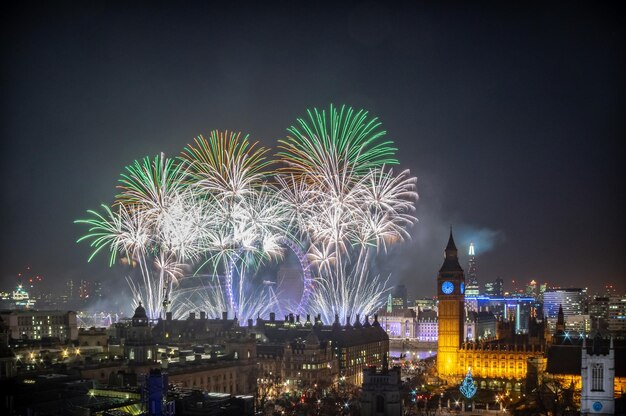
x=509, y=114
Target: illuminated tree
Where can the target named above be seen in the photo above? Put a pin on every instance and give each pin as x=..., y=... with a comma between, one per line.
x=468, y=389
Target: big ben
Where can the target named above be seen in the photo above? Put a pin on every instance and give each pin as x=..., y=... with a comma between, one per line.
x=451, y=296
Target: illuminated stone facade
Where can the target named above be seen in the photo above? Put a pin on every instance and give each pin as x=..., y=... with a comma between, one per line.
x=492, y=360
x=399, y=323
x=598, y=379
x=450, y=289
x=504, y=358
x=567, y=364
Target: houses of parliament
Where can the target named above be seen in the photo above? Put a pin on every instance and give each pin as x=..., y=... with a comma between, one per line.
x=594, y=364
x=505, y=357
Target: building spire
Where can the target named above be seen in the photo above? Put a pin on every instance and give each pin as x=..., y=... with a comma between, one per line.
x=451, y=257
x=451, y=246
x=560, y=320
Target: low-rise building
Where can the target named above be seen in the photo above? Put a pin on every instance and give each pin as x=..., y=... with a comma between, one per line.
x=399, y=322
x=427, y=325
x=333, y=352
x=38, y=325
x=380, y=393
x=93, y=337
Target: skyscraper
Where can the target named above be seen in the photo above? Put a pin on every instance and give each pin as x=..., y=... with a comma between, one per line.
x=495, y=289
x=531, y=289
x=569, y=299
x=399, y=297
x=472, y=289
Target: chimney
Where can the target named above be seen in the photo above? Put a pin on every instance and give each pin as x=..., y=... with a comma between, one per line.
x=249, y=323
x=224, y=316
x=202, y=315
x=168, y=316
x=192, y=315
x=272, y=317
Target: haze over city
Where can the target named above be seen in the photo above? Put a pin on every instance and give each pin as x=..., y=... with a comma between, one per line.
x=509, y=119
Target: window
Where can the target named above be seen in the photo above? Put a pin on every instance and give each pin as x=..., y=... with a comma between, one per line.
x=597, y=377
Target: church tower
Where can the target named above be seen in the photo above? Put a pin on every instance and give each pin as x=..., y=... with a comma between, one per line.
x=598, y=378
x=450, y=293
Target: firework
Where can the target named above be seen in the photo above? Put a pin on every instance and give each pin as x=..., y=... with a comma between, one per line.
x=219, y=212
x=346, y=203
x=343, y=139
x=154, y=224
x=226, y=165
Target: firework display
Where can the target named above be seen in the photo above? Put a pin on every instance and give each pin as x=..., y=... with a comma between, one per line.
x=348, y=205
x=197, y=228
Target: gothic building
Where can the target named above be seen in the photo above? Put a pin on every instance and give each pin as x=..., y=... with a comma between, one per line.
x=380, y=392
x=598, y=379
x=595, y=366
x=450, y=292
x=313, y=352
x=493, y=361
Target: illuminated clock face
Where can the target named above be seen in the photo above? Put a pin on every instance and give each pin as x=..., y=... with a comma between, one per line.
x=462, y=287
x=447, y=287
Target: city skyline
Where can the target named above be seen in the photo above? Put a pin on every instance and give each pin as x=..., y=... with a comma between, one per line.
x=510, y=121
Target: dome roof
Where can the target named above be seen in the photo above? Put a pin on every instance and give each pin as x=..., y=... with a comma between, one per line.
x=140, y=312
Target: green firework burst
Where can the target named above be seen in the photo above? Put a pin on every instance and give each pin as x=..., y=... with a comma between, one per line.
x=343, y=138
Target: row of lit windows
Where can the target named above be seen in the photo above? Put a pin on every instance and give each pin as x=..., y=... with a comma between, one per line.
x=496, y=357
x=493, y=365
x=25, y=320
x=315, y=366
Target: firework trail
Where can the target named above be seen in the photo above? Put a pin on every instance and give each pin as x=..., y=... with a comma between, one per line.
x=347, y=203
x=211, y=208
x=218, y=212
x=142, y=227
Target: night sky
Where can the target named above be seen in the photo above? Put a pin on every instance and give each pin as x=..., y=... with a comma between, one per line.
x=509, y=114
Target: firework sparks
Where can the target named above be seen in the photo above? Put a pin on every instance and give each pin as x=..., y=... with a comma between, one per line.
x=347, y=203
x=217, y=213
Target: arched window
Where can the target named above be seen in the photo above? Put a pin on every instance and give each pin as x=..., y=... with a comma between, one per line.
x=597, y=377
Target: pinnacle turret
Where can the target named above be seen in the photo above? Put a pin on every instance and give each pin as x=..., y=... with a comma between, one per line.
x=451, y=260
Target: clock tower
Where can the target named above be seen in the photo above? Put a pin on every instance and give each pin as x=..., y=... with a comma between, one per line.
x=451, y=296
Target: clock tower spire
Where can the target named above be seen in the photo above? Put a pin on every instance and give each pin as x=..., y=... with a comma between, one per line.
x=451, y=296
